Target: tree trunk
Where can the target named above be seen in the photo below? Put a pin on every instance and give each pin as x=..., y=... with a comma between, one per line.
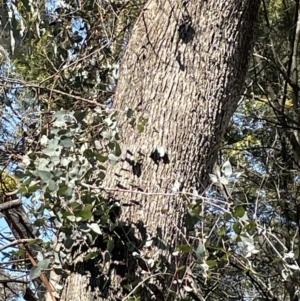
x=183, y=71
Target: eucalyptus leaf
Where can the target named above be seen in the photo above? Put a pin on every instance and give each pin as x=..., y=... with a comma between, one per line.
x=106, y=135
x=129, y=113
x=71, y=218
x=184, y=248
x=86, y=213
x=112, y=159
x=239, y=211
x=52, y=185
x=45, y=176
x=213, y=178
x=227, y=169
x=67, y=142
x=237, y=227
x=118, y=150
x=79, y=115
x=223, y=180
x=110, y=245
x=44, y=140
x=68, y=243
x=101, y=158
x=95, y=227
x=44, y=264
x=35, y=272
x=91, y=255
x=200, y=251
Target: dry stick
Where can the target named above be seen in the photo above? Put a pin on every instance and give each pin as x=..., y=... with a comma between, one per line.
x=36, y=86
x=42, y=276
x=10, y=204
x=13, y=280
x=142, y=282
x=160, y=193
x=15, y=242
x=13, y=261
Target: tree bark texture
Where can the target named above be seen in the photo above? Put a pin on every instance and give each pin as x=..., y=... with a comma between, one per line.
x=184, y=71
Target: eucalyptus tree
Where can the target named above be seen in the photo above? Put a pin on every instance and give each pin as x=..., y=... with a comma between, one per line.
x=125, y=185
x=263, y=144
x=180, y=83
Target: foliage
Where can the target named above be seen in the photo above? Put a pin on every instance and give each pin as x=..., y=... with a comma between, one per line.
x=8, y=183
x=65, y=74
x=245, y=229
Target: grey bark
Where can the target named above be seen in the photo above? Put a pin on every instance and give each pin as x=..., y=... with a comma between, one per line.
x=184, y=70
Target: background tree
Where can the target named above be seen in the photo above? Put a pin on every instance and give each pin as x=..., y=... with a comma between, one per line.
x=262, y=144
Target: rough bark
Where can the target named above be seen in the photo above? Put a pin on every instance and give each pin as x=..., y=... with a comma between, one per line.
x=184, y=70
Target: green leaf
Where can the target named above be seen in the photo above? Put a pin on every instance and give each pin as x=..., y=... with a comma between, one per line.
x=111, y=145
x=223, y=180
x=35, y=272
x=110, y=245
x=39, y=222
x=190, y=219
x=23, y=190
x=45, y=175
x=44, y=264
x=181, y=268
x=140, y=128
x=62, y=189
x=91, y=255
x=52, y=185
x=33, y=188
x=71, y=218
x=106, y=135
x=129, y=113
x=76, y=206
x=55, y=160
x=107, y=256
x=79, y=115
x=112, y=159
x=68, y=243
x=227, y=169
x=250, y=226
x=213, y=178
x=95, y=227
x=239, y=211
x=118, y=150
x=221, y=231
x=142, y=124
x=101, y=158
x=227, y=217
x=88, y=153
x=101, y=175
x=184, y=248
x=211, y=263
x=237, y=227
x=86, y=213
x=66, y=142
x=200, y=251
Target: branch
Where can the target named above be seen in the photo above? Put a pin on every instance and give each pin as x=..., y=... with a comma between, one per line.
x=10, y=204
x=16, y=242
x=13, y=280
